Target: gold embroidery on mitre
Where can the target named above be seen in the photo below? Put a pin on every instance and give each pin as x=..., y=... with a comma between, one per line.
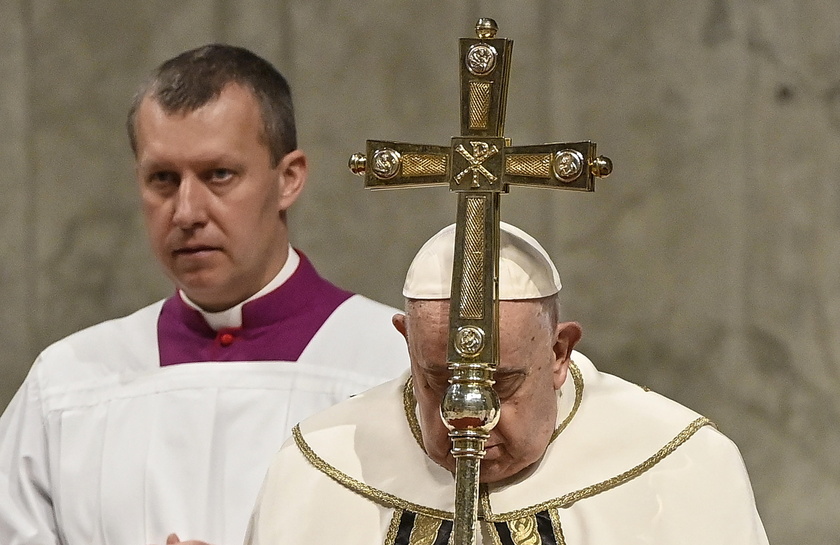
x=523, y=531
x=425, y=530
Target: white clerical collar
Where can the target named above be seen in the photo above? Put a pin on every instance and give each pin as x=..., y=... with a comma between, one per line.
x=232, y=317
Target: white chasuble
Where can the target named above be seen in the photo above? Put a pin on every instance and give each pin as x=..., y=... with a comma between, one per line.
x=627, y=467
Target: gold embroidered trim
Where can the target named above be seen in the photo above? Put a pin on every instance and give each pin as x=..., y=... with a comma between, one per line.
x=369, y=492
x=389, y=500
x=485, y=511
x=568, y=499
x=424, y=531
x=394, y=527
x=577, y=378
x=490, y=530
x=410, y=406
x=557, y=527
x=524, y=531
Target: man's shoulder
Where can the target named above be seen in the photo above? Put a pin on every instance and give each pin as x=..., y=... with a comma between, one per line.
x=118, y=329
x=610, y=415
x=635, y=425
x=610, y=392
x=359, y=336
x=367, y=317
x=349, y=431
x=385, y=398
x=110, y=345
x=361, y=304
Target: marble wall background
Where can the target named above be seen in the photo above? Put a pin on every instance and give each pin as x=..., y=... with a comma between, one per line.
x=705, y=267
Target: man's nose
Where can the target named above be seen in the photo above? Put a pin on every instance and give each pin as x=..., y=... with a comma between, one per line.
x=190, y=204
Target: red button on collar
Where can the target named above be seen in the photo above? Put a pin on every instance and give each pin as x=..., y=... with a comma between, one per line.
x=226, y=339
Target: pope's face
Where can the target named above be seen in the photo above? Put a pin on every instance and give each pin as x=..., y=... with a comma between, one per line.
x=534, y=362
x=213, y=202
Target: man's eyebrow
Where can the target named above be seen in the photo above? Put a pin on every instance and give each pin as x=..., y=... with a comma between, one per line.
x=152, y=164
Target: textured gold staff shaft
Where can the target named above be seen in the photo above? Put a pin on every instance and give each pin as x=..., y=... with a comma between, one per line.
x=470, y=407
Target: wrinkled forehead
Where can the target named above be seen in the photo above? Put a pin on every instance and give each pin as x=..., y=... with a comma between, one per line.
x=523, y=325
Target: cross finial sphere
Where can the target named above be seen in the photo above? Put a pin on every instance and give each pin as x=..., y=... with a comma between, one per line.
x=486, y=28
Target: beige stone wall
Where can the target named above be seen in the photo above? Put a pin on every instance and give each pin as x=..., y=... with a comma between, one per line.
x=705, y=267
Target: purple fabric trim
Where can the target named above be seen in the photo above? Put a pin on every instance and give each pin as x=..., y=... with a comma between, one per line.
x=277, y=326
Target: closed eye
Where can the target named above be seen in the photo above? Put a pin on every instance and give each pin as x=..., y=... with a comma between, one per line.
x=508, y=383
x=437, y=380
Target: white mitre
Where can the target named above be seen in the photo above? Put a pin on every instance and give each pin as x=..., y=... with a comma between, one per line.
x=525, y=269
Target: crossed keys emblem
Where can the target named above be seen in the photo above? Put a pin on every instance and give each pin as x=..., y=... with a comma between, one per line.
x=481, y=151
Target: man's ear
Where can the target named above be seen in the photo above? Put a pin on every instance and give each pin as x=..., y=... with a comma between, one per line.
x=399, y=324
x=292, y=173
x=567, y=336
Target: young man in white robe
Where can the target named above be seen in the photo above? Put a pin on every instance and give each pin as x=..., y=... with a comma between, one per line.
x=161, y=424
x=578, y=457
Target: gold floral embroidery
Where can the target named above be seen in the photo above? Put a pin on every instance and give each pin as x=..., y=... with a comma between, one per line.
x=425, y=530
x=524, y=531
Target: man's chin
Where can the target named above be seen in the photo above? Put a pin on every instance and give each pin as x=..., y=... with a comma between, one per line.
x=205, y=291
x=491, y=479
x=492, y=472
x=199, y=290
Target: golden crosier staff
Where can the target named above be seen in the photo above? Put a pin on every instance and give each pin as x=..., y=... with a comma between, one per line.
x=479, y=166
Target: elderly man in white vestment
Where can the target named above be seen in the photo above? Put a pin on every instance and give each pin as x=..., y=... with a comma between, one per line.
x=578, y=456
x=161, y=424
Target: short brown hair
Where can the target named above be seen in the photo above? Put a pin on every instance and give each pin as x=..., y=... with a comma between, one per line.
x=198, y=76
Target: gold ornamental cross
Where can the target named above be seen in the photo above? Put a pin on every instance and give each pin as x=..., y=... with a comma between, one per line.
x=479, y=166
